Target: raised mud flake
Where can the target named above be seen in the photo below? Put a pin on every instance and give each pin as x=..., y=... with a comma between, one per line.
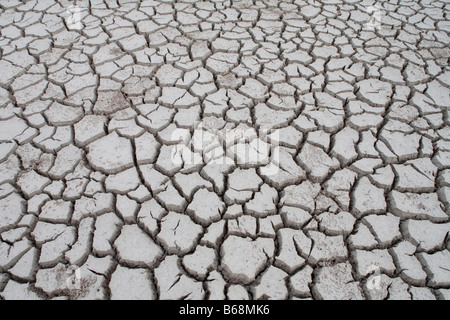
x=56, y=211
x=242, y=259
x=267, y=118
x=366, y=165
x=298, y=56
x=336, y=283
x=206, y=207
x=344, y=145
x=55, y=240
x=319, y=138
x=177, y=97
x=6, y=149
x=426, y=235
x=283, y=171
x=213, y=234
x=325, y=52
x=62, y=115
x=405, y=259
x=339, y=185
x=147, y=148
x=173, y=135
x=336, y=223
x=109, y=102
x=101, y=266
x=171, y=199
x=29, y=94
x=148, y=216
x=294, y=217
x=418, y=177
x=35, y=204
x=229, y=81
x=11, y=210
x=216, y=170
x=288, y=137
x=154, y=118
x=272, y=285
x=135, y=248
x=330, y=120
x=326, y=248
x=179, y=234
x=90, y=128
x=385, y=227
x=381, y=287
x=189, y=183
x=153, y=179
x=170, y=159
x=215, y=286
x=263, y=203
x=111, y=154
x=280, y=99
x=316, y=162
x=362, y=238
x=134, y=42
x=242, y=226
x=66, y=160
x=127, y=208
x=405, y=146
x=255, y=90
x=254, y=153
x=85, y=206
x=437, y=266
x=291, y=242
x=107, y=228
x=200, y=262
x=18, y=291
x=413, y=205
x=26, y=268
x=61, y=280
x=9, y=71
x=184, y=118
x=419, y=293
x=377, y=260
x=222, y=62
x=365, y=121
x=131, y=284
x=300, y=282
x=108, y=53
x=200, y=50
x=123, y=182
x=80, y=85
x=10, y=254
x=237, y=292
x=301, y=196
x=375, y=91
x=15, y=234
x=439, y=93
x=368, y=198
x=6, y=189
x=241, y=185
x=167, y=75
x=32, y=183
x=172, y=284
x=383, y=177
x=82, y=247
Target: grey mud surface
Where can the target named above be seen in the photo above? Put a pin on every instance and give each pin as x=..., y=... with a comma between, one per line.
x=322, y=170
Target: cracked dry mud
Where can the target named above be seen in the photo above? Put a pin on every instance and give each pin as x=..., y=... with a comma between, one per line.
x=224, y=149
